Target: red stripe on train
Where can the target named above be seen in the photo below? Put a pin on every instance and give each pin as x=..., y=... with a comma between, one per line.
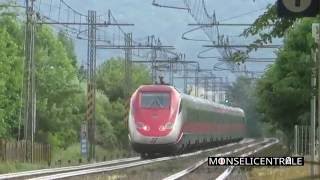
x=200, y=127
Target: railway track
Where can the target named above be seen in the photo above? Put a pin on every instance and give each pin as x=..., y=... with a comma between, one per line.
x=75, y=171
x=229, y=170
x=222, y=173
x=43, y=172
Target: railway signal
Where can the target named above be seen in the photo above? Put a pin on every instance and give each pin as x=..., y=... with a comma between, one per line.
x=297, y=8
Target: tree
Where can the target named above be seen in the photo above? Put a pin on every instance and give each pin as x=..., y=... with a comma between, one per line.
x=110, y=81
x=10, y=83
x=58, y=88
x=268, y=26
x=284, y=90
x=69, y=46
x=110, y=78
x=106, y=135
x=11, y=65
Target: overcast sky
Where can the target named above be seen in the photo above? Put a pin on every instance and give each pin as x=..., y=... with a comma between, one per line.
x=170, y=24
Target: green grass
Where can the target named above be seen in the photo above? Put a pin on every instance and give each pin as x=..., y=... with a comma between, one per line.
x=283, y=173
x=7, y=167
x=72, y=153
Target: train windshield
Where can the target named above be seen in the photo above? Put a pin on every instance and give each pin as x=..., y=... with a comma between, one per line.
x=155, y=100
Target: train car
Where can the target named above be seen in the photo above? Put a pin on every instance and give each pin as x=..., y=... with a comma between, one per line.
x=164, y=120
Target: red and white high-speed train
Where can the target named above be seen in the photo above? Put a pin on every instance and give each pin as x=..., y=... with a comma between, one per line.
x=163, y=120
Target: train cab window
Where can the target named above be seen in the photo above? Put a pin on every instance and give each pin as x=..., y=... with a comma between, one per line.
x=155, y=100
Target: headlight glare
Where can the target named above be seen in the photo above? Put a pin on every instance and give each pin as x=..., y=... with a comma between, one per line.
x=140, y=125
x=167, y=126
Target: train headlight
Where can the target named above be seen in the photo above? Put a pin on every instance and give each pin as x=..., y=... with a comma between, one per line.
x=167, y=126
x=140, y=125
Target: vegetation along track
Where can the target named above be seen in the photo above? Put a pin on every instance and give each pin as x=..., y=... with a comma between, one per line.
x=45, y=172
x=111, y=166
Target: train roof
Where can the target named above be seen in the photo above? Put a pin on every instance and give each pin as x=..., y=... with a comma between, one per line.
x=156, y=86
x=221, y=107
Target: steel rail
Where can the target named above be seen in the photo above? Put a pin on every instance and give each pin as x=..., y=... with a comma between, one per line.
x=133, y=164
x=195, y=166
x=65, y=169
x=229, y=170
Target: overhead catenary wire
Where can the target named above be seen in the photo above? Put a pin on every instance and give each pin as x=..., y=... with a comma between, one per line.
x=210, y=25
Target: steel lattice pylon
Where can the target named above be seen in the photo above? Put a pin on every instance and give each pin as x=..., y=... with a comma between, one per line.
x=91, y=85
x=128, y=65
